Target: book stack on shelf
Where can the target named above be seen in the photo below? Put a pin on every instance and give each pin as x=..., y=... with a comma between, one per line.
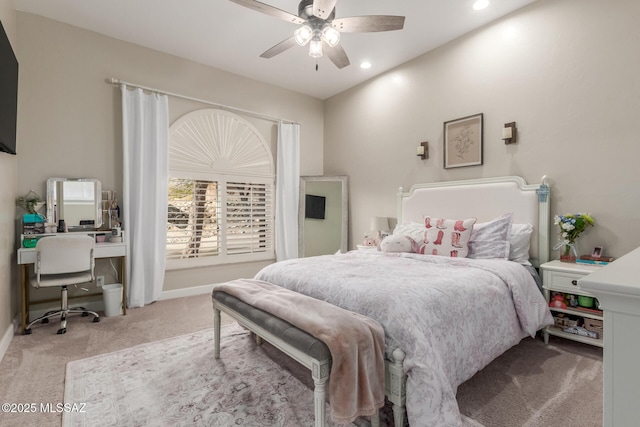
x=590, y=259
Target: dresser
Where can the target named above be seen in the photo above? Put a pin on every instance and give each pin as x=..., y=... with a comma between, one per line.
x=617, y=287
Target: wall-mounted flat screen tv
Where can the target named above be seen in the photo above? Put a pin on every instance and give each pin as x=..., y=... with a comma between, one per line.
x=314, y=206
x=8, y=94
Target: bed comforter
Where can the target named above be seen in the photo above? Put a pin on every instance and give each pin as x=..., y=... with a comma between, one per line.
x=451, y=316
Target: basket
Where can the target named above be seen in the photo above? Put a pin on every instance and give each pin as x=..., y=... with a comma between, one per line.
x=560, y=322
x=594, y=325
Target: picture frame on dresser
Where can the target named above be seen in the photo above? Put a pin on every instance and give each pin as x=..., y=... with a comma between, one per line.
x=597, y=252
x=463, y=140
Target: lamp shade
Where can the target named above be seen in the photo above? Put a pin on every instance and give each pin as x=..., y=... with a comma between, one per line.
x=330, y=35
x=379, y=223
x=303, y=34
x=315, y=48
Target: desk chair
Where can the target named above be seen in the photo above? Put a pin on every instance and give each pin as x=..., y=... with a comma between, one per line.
x=63, y=261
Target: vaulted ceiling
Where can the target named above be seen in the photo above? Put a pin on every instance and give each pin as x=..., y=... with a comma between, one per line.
x=225, y=35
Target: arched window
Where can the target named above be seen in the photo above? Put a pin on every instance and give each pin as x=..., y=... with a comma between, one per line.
x=221, y=184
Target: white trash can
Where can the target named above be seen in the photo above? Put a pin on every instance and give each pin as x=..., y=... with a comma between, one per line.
x=112, y=295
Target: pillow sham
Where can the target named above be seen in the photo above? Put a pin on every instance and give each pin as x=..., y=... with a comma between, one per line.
x=398, y=243
x=491, y=239
x=519, y=243
x=446, y=237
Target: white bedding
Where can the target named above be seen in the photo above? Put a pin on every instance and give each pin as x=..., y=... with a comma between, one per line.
x=451, y=316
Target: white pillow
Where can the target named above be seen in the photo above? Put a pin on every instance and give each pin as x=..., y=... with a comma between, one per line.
x=397, y=243
x=519, y=243
x=414, y=230
x=491, y=239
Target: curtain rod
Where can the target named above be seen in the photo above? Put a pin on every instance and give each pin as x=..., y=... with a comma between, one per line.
x=118, y=82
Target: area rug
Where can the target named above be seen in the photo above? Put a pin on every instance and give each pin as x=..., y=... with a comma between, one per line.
x=177, y=382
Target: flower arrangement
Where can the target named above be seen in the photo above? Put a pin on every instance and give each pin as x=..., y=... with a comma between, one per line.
x=31, y=202
x=571, y=226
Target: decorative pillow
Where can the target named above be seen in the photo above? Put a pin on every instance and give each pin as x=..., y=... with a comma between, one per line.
x=398, y=243
x=446, y=237
x=519, y=243
x=414, y=230
x=491, y=239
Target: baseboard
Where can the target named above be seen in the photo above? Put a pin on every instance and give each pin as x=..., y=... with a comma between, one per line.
x=187, y=292
x=7, y=337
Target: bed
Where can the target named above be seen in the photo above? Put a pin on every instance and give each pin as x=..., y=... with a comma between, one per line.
x=444, y=317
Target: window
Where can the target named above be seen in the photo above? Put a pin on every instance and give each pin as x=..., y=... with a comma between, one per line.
x=220, y=198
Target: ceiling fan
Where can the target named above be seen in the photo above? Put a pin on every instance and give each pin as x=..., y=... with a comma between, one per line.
x=320, y=29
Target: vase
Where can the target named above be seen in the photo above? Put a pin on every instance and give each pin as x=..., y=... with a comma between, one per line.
x=569, y=253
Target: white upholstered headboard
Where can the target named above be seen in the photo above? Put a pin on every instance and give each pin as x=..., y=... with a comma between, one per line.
x=484, y=199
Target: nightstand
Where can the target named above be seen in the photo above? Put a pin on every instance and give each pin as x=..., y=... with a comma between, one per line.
x=366, y=248
x=562, y=278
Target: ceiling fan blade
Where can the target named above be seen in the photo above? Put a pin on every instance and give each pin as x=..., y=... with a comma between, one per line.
x=337, y=55
x=323, y=8
x=279, y=48
x=368, y=24
x=270, y=10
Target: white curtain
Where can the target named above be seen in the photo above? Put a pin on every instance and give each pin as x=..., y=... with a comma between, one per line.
x=145, y=140
x=287, y=191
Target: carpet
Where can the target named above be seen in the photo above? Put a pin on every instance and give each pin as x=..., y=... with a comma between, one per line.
x=176, y=382
x=537, y=385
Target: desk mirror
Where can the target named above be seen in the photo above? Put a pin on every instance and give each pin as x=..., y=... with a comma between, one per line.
x=78, y=201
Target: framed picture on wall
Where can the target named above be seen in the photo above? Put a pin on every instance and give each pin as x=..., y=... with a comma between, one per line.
x=463, y=142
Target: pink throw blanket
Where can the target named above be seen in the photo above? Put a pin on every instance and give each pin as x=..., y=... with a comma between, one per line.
x=356, y=343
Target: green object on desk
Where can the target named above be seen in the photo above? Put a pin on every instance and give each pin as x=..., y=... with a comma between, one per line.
x=29, y=242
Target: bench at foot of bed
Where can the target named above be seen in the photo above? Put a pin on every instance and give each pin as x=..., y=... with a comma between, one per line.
x=296, y=343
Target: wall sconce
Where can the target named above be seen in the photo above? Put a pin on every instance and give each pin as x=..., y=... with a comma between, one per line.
x=510, y=133
x=423, y=150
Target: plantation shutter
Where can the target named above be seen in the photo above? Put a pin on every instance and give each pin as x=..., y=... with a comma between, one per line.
x=221, y=191
x=249, y=218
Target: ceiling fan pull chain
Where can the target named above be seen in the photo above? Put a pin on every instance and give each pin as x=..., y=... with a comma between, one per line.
x=316, y=64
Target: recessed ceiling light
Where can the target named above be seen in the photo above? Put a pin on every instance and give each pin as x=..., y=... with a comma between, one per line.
x=480, y=4
x=365, y=65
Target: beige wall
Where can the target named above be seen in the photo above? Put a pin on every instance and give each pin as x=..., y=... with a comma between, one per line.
x=567, y=71
x=8, y=178
x=70, y=119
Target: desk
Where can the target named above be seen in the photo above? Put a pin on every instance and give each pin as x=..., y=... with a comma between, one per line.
x=27, y=257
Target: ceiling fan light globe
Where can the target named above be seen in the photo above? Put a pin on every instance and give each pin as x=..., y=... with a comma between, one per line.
x=303, y=35
x=315, y=48
x=330, y=35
